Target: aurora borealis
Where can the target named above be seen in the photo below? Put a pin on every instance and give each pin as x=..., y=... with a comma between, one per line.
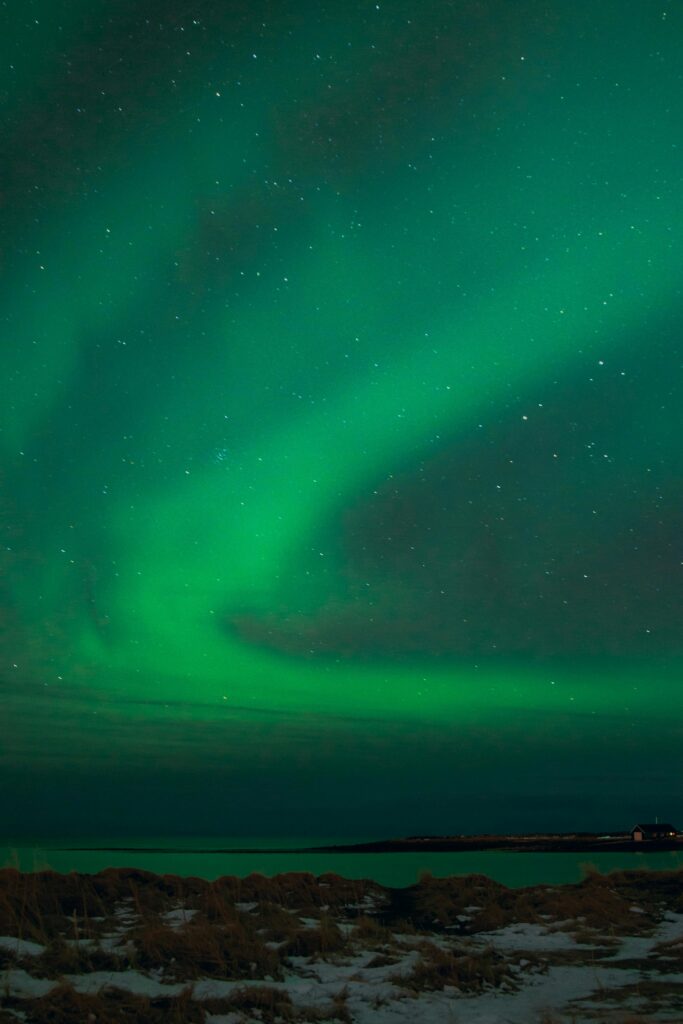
x=340, y=446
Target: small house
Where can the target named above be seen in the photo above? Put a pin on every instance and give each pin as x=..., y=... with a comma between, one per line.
x=663, y=830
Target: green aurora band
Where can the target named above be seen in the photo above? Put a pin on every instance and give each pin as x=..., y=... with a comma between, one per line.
x=258, y=306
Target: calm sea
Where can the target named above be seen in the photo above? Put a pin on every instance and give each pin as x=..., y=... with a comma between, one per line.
x=197, y=857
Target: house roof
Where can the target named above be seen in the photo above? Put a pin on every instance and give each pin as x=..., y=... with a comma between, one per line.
x=662, y=826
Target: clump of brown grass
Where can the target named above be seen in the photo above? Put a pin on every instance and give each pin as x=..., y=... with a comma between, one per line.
x=594, y=903
x=320, y=942
x=153, y=892
x=292, y=890
x=404, y=926
x=60, y=957
x=26, y=910
x=269, y=1004
x=201, y=948
x=273, y=922
x=44, y=905
x=64, y=1005
x=655, y=994
x=464, y=970
x=298, y=890
x=337, y=1011
x=665, y=887
x=370, y=932
x=260, y=1002
x=218, y=906
x=437, y=903
x=601, y=903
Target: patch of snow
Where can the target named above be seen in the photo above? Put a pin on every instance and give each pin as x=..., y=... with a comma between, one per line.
x=216, y=988
x=246, y=907
x=125, y=914
x=20, y=947
x=671, y=926
x=405, y=939
x=114, y=943
x=639, y=947
x=543, y=993
x=130, y=981
x=529, y=937
x=13, y=1012
x=81, y=943
x=178, y=917
x=368, y=904
x=21, y=985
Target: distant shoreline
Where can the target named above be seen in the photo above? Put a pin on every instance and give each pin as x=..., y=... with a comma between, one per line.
x=586, y=843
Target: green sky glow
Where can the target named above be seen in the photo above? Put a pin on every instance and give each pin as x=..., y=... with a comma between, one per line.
x=341, y=428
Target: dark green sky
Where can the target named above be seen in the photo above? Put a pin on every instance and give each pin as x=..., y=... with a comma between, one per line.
x=340, y=440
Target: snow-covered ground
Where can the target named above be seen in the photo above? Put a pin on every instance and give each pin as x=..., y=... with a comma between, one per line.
x=349, y=962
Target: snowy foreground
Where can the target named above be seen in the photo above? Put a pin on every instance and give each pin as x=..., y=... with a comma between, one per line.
x=126, y=945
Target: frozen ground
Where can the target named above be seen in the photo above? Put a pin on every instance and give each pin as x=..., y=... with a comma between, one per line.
x=609, y=949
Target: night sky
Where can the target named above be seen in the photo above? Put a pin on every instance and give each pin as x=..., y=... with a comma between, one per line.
x=340, y=435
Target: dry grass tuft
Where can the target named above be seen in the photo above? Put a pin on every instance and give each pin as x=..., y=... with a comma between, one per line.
x=261, y=1002
x=62, y=958
x=466, y=971
x=297, y=890
x=438, y=903
x=273, y=922
x=369, y=932
x=64, y=1005
x=266, y=1004
x=601, y=903
x=205, y=949
x=318, y=942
